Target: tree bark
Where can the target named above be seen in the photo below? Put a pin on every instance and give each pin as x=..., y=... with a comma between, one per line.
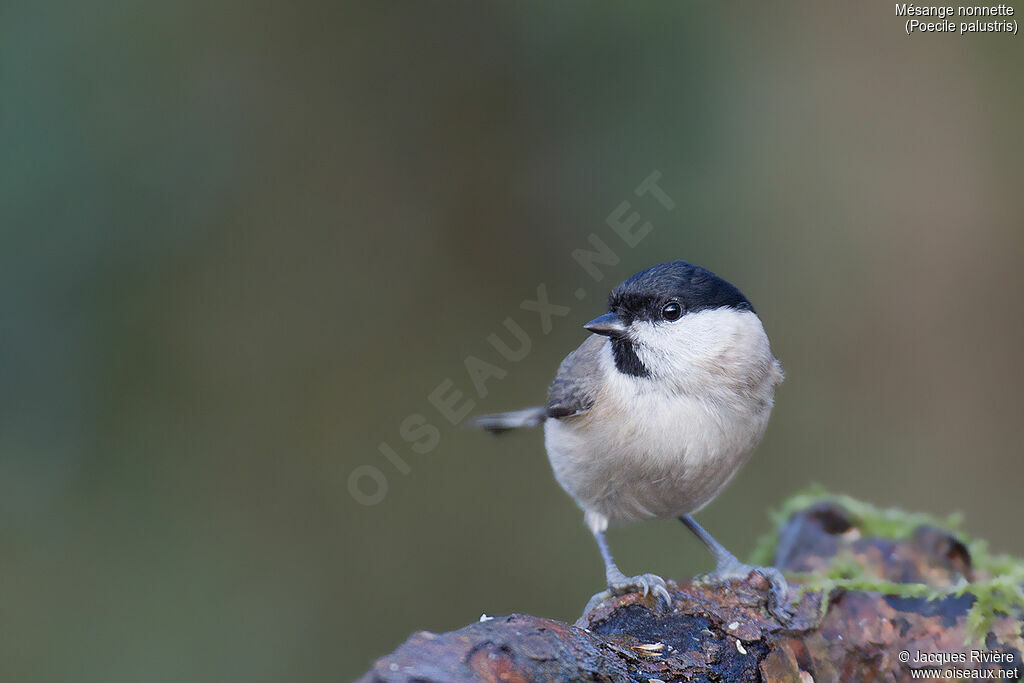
x=725, y=632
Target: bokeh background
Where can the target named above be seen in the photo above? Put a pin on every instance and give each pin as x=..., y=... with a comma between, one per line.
x=242, y=242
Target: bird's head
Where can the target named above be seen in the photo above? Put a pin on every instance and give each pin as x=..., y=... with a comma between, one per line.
x=670, y=319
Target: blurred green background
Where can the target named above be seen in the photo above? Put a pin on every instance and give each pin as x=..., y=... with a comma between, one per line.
x=242, y=242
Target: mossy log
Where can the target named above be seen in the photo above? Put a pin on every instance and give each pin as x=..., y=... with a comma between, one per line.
x=867, y=585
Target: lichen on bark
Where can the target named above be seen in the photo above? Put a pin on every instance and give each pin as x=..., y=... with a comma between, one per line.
x=993, y=582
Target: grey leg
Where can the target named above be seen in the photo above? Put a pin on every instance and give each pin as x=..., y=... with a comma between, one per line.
x=724, y=560
x=610, y=569
x=619, y=583
x=728, y=567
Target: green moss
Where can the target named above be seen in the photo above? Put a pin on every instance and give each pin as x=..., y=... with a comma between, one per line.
x=872, y=521
x=999, y=594
x=999, y=578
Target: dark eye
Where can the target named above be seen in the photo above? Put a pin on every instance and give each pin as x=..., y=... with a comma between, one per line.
x=672, y=311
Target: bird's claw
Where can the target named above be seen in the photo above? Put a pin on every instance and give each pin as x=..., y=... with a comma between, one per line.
x=778, y=595
x=622, y=585
x=649, y=582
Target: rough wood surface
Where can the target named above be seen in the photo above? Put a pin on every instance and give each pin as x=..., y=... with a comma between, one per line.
x=725, y=632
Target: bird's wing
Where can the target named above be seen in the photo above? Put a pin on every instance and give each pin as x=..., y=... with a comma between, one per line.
x=579, y=375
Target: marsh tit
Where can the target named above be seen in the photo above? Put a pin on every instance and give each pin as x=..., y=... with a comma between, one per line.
x=657, y=410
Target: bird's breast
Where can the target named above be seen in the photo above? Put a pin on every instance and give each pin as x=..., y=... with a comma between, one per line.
x=641, y=452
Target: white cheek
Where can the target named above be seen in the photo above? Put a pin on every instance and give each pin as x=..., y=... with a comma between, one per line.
x=720, y=340
x=690, y=335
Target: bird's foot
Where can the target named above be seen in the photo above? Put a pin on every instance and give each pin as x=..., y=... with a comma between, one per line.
x=778, y=595
x=620, y=584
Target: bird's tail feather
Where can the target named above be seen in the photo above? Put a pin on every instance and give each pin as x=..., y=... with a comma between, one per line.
x=503, y=422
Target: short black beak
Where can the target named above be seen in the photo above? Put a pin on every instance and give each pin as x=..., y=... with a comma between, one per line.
x=609, y=324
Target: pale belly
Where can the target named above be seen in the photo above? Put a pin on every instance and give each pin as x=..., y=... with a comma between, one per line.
x=654, y=457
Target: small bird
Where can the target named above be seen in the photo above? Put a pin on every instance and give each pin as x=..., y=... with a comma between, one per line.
x=657, y=410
